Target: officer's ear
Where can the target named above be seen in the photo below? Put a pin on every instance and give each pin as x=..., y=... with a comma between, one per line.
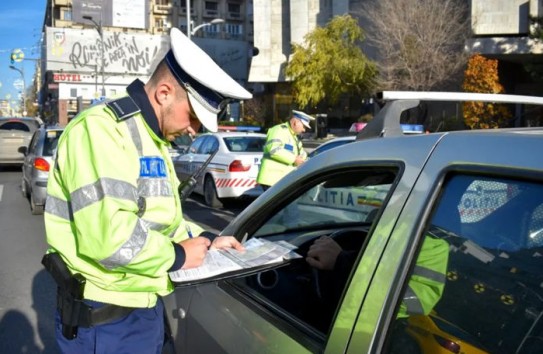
x=164, y=93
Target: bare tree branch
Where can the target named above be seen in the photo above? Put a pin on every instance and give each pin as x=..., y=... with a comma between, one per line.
x=420, y=43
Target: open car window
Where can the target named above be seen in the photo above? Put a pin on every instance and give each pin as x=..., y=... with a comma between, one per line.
x=338, y=201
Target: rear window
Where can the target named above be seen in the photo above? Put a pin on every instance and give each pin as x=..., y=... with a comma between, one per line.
x=16, y=124
x=245, y=143
x=50, y=142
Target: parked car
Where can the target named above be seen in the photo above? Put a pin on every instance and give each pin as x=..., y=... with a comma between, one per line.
x=14, y=133
x=232, y=171
x=478, y=192
x=38, y=156
x=335, y=142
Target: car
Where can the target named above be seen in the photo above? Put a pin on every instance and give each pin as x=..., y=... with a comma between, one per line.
x=335, y=142
x=332, y=143
x=232, y=172
x=478, y=192
x=38, y=157
x=14, y=133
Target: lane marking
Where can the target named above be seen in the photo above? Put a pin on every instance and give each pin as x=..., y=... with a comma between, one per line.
x=1, y=190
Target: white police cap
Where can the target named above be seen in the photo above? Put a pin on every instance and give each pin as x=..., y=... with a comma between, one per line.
x=303, y=117
x=209, y=88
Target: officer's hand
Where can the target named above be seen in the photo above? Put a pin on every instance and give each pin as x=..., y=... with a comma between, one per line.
x=323, y=253
x=195, y=251
x=227, y=242
x=299, y=160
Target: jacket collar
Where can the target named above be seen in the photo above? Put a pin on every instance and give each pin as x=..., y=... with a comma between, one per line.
x=137, y=92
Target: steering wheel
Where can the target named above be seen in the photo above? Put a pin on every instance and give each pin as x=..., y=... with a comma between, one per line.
x=348, y=240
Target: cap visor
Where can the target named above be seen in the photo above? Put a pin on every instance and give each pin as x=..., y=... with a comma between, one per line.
x=306, y=124
x=207, y=118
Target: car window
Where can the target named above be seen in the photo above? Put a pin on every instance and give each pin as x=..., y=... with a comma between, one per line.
x=209, y=145
x=50, y=142
x=195, y=146
x=343, y=206
x=15, y=126
x=245, y=143
x=492, y=299
x=33, y=142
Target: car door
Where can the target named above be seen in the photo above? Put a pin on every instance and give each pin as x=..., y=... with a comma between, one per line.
x=28, y=164
x=208, y=146
x=341, y=193
x=485, y=200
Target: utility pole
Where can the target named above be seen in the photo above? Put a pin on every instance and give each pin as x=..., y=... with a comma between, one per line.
x=100, y=30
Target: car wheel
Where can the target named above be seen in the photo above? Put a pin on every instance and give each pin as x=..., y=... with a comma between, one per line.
x=210, y=193
x=36, y=209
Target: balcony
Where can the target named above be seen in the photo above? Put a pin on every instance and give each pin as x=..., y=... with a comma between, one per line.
x=236, y=16
x=162, y=9
x=211, y=13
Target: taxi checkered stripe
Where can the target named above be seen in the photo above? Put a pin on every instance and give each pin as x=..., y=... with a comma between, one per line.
x=235, y=182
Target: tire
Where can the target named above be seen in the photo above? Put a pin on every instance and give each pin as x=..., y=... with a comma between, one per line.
x=210, y=193
x=34, y=208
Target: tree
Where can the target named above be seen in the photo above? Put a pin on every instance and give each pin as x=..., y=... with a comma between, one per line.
x=330, y=63
x=481, y=76
x=419, y=43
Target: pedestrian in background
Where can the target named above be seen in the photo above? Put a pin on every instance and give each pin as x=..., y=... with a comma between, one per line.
x=283, y=150
x=113, y=211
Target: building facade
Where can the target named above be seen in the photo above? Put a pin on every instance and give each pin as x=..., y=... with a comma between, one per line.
x=95, y=48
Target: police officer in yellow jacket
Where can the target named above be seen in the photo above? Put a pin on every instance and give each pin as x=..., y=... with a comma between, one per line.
x=283, y=150
x=113, y=212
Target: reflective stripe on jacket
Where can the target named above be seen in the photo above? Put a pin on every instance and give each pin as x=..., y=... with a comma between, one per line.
x=427, y=282
x=282, y=147
x=113, y=208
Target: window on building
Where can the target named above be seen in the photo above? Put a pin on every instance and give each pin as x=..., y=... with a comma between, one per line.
x=73, y=92
x=162, y=2
x=162, y=23
x=212, y=29
x=234, y=29
x=234, y=8
x=211, y=6
x=85, y=92
x=66, y=14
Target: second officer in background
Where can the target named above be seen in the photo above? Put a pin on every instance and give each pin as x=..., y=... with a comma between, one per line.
x=283, y=150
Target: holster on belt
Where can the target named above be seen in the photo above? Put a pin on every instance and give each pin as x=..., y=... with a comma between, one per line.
x=73, y=311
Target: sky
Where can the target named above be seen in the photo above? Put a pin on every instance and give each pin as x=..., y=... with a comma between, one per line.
x=21, y=24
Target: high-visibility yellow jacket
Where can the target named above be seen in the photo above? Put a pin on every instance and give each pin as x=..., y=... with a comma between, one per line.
x=113, y=209
x=427, y=282
x=280, y=151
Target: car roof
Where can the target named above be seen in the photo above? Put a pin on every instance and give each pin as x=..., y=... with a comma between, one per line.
x=387, y=121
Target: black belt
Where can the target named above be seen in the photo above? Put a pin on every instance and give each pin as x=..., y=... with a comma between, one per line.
x=89, y=316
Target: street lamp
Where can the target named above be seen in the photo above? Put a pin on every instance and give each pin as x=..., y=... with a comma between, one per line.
x=213, y=22
x=99, y=29
x=191, y=31
x=23, y=109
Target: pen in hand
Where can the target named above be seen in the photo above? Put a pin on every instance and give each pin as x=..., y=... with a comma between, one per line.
x=189, y=231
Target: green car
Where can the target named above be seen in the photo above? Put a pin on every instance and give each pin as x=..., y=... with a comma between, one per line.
x=387, y=199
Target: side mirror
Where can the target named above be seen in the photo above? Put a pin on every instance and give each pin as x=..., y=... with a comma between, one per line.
x=23, y=150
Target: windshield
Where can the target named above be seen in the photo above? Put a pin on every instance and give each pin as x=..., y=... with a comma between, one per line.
x=245, y=143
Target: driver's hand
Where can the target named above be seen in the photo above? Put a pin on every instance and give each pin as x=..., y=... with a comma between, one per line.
x=222, y=242
x=323, y=253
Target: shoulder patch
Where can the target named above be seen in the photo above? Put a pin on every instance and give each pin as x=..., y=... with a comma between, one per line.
x=123, y=107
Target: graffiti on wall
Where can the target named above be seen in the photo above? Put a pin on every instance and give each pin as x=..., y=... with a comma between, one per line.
x=132, y=53
x=122, y=53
